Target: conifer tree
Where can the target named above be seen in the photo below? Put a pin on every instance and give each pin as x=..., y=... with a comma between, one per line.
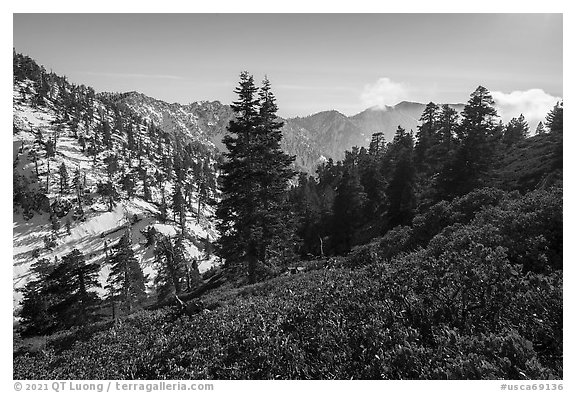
x=82, y=142
x=34, y=156
x=112, y=165
x=348, y=207
x=400, y=191
x=179, y=206
x=254, y=180
x=72, y=283
x=126, y=282
x=516, y=130
x=177, y=272
x=377, y=144
x=448, y=125
x=78, y=187
x=427, y=136
x=35, y=316
x=274, y=173
x=477, y=136
x=170, y=259
x=238, y=240
x=109, y=192
x=106, y=135
x=306, y=203
x=128, y=184
x=147, y=194
x=555, y=119
x=555, y=123
x=63, y=172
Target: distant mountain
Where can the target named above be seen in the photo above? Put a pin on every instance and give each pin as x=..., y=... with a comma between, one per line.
x=207, y=121
x=387, y=119
x=331, y=132
x=204, y=121
x=312, y=139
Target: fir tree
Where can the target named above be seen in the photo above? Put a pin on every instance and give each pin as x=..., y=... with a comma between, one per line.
x=254, y=180
x=237, y=243
x=146, y=193
x=128, y=184
x=126, y=282
x=34, y=156
x=448, y=125
x=109, y=192
x=427, y=136
x=377, y=144
x=170, y=259
x=35, y=316
x=400, y=191
x=555, y=119
x=477, y=136
x=179, y=206
x=63, y=172
x=275, y=171
x=82, y=142
x=71, y=283
x=555, y=123
x=516, y=130
x=348, y=207
x=112, y=165
x=106, y=135
x=78, y=187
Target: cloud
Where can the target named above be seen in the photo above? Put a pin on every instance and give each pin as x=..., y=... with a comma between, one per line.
x=534, y=104
x=384, y=92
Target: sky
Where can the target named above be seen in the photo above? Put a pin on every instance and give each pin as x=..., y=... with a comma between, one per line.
x=315, y=62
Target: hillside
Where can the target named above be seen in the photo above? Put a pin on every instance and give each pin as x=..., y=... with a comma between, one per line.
x=312, y=139
x=47, y=224
x=387, y=119
x=428, y=255
x=456, y=306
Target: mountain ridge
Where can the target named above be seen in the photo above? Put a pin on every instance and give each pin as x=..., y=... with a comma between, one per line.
x=312, y=138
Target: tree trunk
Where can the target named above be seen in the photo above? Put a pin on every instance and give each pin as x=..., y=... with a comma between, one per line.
x=199, y=205
x=252, y=261
x=36, y=167
x=48, y=177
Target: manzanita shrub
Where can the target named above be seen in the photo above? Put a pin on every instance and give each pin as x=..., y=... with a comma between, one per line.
x=481, y=299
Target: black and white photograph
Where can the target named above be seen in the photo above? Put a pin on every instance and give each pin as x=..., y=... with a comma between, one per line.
x=287, y=196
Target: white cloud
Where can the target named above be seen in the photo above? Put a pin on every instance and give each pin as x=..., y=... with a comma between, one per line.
x=534, y=104
x=384, y=92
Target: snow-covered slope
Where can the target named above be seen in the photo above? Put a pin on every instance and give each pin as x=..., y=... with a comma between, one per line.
x=202, y=121
x=99, y=229
x=207, y=121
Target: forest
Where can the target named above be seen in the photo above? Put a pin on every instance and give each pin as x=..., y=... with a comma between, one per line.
x=436, y=255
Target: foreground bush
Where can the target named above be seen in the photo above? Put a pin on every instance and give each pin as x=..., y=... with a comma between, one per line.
x=468, y=315
x=469, y=305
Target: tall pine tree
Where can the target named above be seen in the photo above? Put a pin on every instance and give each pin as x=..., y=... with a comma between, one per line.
x=71, y=282
x=477, y=136
x=254, y=180
x=126, y=282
